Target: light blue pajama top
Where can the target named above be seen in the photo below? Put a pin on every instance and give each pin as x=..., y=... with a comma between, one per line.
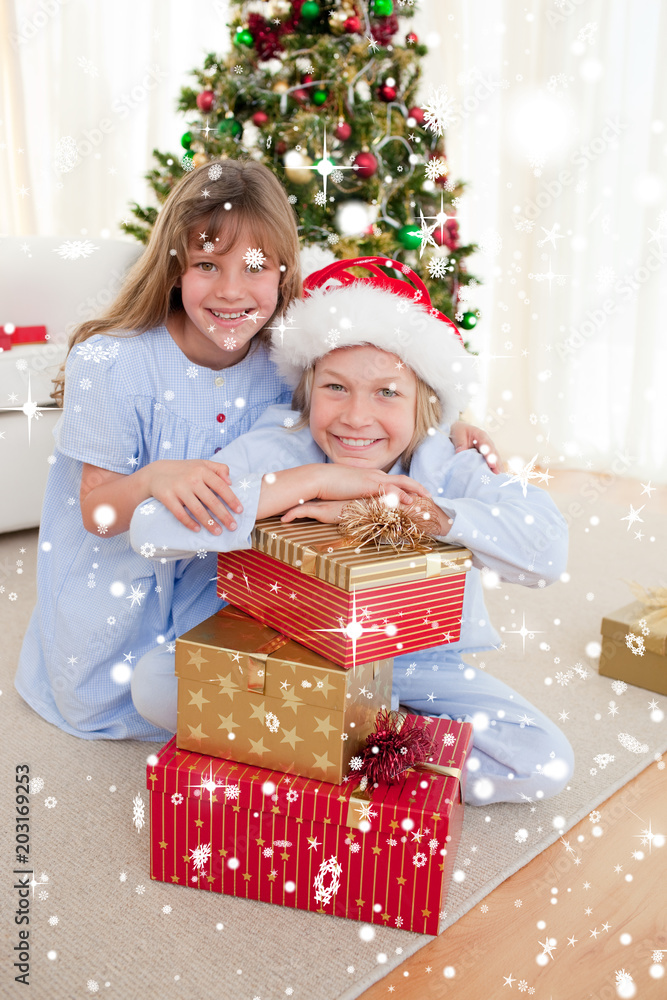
x=129, y=400
x=521, y=538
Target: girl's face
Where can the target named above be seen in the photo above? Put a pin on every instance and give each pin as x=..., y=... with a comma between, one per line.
x=363, y=407
x=227, y=299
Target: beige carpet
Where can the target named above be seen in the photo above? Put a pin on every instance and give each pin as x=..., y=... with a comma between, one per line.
x=109, y=929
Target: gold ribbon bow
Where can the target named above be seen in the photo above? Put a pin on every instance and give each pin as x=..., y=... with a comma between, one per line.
x=358, y=799
x=654, y=598
x=654, y=602
x=256, y=658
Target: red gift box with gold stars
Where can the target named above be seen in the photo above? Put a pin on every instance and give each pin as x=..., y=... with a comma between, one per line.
x=351, y=605
x=385, y=856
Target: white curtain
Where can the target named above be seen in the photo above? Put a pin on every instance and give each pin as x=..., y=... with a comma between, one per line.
x=560, y=132
x=106, y=77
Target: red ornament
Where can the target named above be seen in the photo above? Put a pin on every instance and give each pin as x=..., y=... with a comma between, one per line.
x=352, y=25
x=411, y=38
x=387, y=93
x=384, y=30
x=281, y=147
x=417, y=114
x=450, y=234
x=300, y=95
x=307, y=78
x=205, y=100
x=365, y=164
x=343, y=131
x=260, y=118
x=265, y=36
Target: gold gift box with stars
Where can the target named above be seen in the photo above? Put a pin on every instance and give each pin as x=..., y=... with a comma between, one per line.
x=634, y=647
x=247, y=693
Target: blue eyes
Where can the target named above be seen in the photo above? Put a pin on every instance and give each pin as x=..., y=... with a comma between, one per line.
x=386, y=393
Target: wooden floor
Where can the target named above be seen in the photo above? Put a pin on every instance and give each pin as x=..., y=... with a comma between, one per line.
x=496, y=950
x=498, y=946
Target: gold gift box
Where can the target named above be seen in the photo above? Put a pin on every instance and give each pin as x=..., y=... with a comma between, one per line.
x=647, y=669
x=246, y=693
x=319, y=551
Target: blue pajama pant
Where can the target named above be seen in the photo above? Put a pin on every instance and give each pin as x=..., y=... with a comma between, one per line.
x=518, y=753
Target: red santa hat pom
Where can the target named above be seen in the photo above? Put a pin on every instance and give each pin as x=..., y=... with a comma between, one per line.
x=389, y=313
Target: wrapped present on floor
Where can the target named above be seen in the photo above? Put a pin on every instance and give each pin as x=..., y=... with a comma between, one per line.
x=350, y=604
x=384, y=856
x=634, y=641
x=11, y=335
x=248, y=693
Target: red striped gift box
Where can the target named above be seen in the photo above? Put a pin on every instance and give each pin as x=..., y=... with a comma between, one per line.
x=385, y=858
x=350, y=605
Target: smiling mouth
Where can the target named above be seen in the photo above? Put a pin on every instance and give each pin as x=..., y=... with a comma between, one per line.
x=356, y=442
x=229, y=315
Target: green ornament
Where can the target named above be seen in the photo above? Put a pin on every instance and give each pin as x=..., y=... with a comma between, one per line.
x=319, y=97
x=243, y=37
x=230, y=127
x=310, y=10
x=187, y=140
x=383, y=8
x=409, y=237
x=469, y=320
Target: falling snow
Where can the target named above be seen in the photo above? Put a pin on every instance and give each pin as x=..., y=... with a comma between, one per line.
x=438, y=110
x=73, y=249
x=254, y=257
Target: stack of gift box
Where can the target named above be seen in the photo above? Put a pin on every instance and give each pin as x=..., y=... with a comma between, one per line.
x=278, y=693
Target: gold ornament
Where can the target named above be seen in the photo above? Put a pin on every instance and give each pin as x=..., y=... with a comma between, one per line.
x=199, y=159
x=280, y=87
x=295, y=163
x=337, y=22
x=373, y=520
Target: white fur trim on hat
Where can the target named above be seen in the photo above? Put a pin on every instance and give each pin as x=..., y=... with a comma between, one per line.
x=354, y=314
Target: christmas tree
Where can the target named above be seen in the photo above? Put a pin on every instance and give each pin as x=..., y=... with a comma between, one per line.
x=324, y=92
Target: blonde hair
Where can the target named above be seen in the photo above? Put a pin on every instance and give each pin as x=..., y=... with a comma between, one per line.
x=149, y=294
x=428, y=410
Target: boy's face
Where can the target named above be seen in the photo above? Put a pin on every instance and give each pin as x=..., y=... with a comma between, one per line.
x=363, y=407
x=227, y=299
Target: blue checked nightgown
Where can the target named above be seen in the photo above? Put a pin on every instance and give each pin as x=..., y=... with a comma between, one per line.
x=129, y=400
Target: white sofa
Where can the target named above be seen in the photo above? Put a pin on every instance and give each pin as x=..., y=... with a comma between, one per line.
x=38, y=286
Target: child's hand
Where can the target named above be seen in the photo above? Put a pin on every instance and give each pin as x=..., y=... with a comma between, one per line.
x=326, y=511
x=466, y=436
x=199, y=485
x=329, y=512
x=345, y=482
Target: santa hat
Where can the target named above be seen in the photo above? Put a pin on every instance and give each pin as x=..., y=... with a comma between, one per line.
x=389, y=313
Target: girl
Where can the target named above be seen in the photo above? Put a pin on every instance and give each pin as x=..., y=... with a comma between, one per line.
x=371, y=395
x=176, y=368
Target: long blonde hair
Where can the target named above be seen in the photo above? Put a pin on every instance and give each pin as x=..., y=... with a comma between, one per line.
x=245, y=194
x=428, y=410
